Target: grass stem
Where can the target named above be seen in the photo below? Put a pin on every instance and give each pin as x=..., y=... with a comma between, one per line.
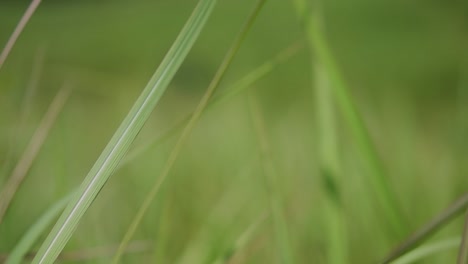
x=124, y=136
x=429, y=229
x=17, y=32
x=37, y=140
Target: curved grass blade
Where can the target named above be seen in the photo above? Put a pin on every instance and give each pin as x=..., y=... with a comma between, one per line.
x=19, y=28
x=36, y=230
x=425, y=251
x=378, y=178
x=125, y=134
x=426, y=231
x=32, y=150
x=229, y=57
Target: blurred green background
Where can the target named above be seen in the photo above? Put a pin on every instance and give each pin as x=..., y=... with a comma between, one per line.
x=405, y=61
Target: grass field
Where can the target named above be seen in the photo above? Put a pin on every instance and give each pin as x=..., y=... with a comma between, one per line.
x=337, y=131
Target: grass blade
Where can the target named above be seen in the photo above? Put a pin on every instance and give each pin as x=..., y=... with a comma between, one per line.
x=125, y=134
x=36, y=230
x=328, y=154
x=271, y=179
x=25, y=108
x=426, y=231
x=463, y=252
x=425, y=251
x=229, y=57
x=32, y=150
x=231, y=91
x=19, y=28
x=341, y=92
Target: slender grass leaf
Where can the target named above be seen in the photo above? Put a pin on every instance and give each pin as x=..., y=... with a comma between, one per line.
x=229, y=57
x=349, y=110
x=125, y=134
x=17, y=32
x=32, y=150
x=25, y=109
x=36, y=230
x=328, y=153
x=429, y=229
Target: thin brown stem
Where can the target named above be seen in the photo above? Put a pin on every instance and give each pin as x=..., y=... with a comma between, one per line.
x=17, y=32
x=24, y=164
x=25, y=108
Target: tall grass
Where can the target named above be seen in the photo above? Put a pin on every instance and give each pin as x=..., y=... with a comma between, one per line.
x=341, y=92
x=125, y=134
x=229, y=57
x=42, y=223
x=328, y=147
x=304, y=222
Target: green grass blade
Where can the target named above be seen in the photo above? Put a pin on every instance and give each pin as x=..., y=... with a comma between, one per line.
x=125, y=134
x=229, y=57
x=429, y=229
x=233, y=90
x=341, y=92
x=275, y=198
x=36, y=230
x=17, y=32
x=328, y=154
x=425, y=251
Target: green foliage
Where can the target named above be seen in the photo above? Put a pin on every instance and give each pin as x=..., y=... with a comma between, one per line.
x=125, y=134
x=360, y=137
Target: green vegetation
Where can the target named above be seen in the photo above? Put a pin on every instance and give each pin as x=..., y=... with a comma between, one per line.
x=331, y=132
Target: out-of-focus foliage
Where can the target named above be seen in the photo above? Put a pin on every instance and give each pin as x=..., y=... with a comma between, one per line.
x=406, y=63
